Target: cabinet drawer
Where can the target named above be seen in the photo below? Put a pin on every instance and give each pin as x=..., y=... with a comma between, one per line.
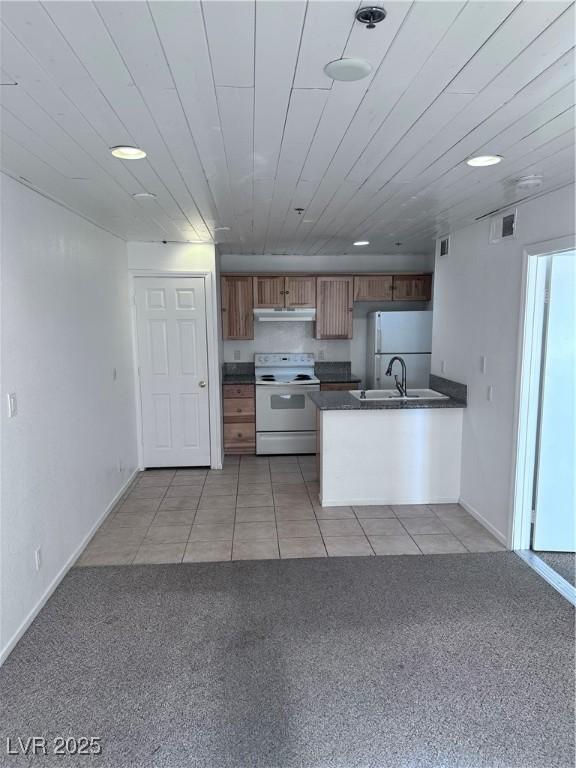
x=239, y=436
x=239, y=409
x=238, y=390
x=340, y=386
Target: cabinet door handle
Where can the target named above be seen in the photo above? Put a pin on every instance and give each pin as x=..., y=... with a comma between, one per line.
x=202, y=384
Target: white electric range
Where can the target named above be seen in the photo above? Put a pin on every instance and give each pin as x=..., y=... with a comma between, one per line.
x=285, y=415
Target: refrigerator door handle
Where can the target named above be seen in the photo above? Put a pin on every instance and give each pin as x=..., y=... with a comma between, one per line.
x=379, y=339
x=378, y=371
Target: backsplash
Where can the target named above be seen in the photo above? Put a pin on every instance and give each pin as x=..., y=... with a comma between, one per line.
x=286, y=337
x=299, y=337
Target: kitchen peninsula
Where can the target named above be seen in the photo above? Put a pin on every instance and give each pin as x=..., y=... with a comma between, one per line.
x=393, y=451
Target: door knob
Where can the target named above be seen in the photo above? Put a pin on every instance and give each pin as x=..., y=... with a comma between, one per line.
x=202, y=384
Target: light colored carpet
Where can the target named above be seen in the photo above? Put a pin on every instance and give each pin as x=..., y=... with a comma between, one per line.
x=450, y=661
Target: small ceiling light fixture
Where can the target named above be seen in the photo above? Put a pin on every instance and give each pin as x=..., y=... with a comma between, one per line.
x=362, y=242
x=128, y=153
x=348, y=70
x=144, y=195
x=481, y=161
x=371, y=15
x=299, y=211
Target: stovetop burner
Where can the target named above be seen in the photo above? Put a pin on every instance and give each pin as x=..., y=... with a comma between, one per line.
x=268, y=377
x=302, y=377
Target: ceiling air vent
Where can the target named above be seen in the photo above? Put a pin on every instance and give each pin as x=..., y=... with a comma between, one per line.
x=503, y=226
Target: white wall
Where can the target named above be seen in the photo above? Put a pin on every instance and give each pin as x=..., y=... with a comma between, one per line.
x=299, y=337
x=65, y=327
x=354, y=263
x=477, y=305
x=191, y=258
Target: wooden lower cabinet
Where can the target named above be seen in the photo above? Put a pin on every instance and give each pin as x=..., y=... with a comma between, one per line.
x=239, y=405
x=239, y=438
x=345, y=386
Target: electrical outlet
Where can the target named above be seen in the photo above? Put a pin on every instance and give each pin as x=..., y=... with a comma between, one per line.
x=320, y=355
x=237, y=354
x=12, y=405
x=483, y=364
x=38, y=558
x=443, y=366
x=490, y=393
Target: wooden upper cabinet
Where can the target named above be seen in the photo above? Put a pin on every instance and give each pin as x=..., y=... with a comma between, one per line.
x=272, y=291
x=412, y=287
x=268, y=291
x=300, y=291
x=334, y=296
x=373, y=288
x=237, y=307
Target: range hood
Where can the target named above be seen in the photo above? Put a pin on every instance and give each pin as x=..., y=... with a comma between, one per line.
x=294, y=314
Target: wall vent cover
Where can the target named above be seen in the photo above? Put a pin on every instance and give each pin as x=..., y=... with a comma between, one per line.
x=444, y=246
x=503, y=226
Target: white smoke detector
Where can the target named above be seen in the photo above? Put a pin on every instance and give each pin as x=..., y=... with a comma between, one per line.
x=529, y=183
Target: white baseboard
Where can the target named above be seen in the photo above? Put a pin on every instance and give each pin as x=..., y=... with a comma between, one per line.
x=502, y=538
x=383, y=502
x=7, y=650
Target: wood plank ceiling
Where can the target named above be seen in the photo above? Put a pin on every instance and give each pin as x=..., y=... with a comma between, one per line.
x=242, y=126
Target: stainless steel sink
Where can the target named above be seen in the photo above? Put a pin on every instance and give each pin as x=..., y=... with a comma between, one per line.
x=393, y=394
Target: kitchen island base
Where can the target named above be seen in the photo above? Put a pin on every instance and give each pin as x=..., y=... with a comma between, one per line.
x=396, y=456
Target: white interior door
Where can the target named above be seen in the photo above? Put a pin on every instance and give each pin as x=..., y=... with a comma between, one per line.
x=555, y=497
x=173, y=363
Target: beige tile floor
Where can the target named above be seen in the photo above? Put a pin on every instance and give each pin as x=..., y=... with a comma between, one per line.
x=260, y=508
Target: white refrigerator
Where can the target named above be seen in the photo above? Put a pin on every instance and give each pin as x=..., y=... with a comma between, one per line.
x=406, y=334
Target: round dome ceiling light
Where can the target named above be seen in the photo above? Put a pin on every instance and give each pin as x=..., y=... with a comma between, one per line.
x=528, y=183
x=128, y=153
x=348, y=70
x=362, y=242
x=481, y=161
x=371, y=15
x=144, y=195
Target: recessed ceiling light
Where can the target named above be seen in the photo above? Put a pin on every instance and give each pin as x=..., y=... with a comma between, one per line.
x=143, y=195
x=128, y=153
x=481, y=161
x=362, y=242
x=348, y=69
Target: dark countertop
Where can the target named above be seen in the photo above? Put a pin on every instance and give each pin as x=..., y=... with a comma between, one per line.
x=238, y=378
x=343, y=401
x=327, y=373
x=337, y=378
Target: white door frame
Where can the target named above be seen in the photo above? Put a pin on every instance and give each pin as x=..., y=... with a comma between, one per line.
x=528, y=386
x=214, y=383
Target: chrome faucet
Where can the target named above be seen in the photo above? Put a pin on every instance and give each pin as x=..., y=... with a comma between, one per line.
x=400, y=386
